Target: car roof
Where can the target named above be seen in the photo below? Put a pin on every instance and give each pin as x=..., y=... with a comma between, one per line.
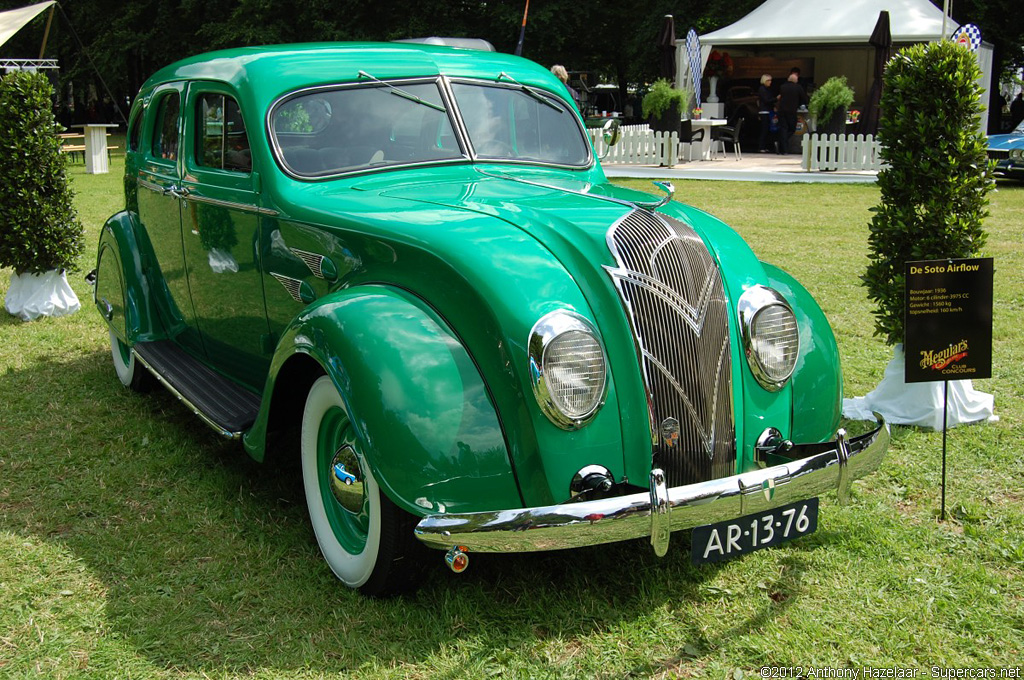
x=266, y=72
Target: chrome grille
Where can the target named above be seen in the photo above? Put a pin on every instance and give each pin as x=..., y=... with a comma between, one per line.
x=672, y=291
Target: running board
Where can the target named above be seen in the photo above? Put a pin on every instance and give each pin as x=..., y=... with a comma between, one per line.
x=219, y=402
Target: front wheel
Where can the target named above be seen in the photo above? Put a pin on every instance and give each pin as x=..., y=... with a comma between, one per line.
x=368, y=542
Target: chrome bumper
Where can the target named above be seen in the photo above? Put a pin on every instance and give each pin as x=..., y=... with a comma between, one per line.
x=809, y=470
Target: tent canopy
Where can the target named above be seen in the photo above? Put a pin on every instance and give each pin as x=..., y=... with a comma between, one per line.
x=13, y=20
x=834, y=34
x=795, y=22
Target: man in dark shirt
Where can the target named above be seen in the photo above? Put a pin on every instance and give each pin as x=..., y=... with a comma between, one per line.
x=791, y=98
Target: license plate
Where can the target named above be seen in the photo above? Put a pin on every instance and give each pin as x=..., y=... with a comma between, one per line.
x=735, y=537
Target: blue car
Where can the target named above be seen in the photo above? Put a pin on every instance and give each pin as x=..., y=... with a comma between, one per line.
x=1008, y=153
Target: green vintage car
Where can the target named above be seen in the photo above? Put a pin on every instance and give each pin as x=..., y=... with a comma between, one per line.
x=407, y=259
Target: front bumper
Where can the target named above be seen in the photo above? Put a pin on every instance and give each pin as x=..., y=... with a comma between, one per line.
x=805, y=471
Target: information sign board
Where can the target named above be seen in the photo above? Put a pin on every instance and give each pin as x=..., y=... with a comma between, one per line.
x=948, y=320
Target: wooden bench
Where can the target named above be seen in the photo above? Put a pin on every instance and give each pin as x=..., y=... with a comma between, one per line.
x=73, y=150
x=70, y=146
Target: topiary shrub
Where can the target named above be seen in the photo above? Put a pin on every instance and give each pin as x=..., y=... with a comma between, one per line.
x=833, y=98
x=662, y=98
x=934, y=194
x=39, y=227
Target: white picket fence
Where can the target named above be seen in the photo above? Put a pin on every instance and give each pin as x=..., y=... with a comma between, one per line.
x=841, y=152
x=639, y=145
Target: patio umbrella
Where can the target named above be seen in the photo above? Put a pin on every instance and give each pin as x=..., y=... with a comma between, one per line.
x=881, y=40
x=667, y=48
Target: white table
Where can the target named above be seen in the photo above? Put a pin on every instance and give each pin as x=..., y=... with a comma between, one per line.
x=96, y=147
x=706, y=124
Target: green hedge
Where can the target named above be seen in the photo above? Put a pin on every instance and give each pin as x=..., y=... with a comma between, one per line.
x=39, y=227
x=934, y=194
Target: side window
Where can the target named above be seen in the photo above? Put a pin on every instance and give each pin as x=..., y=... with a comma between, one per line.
x=165, y=133
x=221, y=142
x=135, y=130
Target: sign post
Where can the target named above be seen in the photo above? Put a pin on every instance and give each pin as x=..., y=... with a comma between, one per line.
x=948, y=327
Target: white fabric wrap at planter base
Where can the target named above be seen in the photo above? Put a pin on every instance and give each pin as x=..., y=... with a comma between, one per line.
x=920, y=404
x=31, y=296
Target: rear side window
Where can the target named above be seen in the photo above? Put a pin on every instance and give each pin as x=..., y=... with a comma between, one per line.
x=221, y=141
x=165, y=133
x=135, y=130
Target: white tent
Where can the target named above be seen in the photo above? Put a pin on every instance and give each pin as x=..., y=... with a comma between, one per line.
x=11, y=21
x=832, y=33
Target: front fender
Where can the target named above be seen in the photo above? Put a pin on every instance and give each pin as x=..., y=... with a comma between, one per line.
x=417, y=402
x=817, y=381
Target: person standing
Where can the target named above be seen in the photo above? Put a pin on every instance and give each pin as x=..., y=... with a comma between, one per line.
x=765, y=107
x=791, y=98
x=563, y=75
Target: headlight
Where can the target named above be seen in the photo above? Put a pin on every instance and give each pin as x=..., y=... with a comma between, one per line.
x=568, y=368
x=1016, y=154
x=770, y=337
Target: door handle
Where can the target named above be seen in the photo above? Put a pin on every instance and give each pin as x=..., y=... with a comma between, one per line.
x=177, y=192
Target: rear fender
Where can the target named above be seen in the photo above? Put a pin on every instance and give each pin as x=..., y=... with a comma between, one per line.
x=417, y=403
x=122, y=291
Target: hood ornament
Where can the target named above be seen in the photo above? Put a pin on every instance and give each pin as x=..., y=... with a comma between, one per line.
x=669, y=190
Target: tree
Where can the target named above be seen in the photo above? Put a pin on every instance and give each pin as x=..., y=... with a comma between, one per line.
x=934, y=192
x=39, y=227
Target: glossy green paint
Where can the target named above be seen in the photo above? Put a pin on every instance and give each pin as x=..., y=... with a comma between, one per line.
x=122, y=261
x=818, y=379
x=430, y=281
x=221, y=237
x=418, y=407
x=488, y=279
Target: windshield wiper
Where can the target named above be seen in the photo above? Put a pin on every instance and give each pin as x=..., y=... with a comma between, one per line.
x=532, y=92
x=402, y=93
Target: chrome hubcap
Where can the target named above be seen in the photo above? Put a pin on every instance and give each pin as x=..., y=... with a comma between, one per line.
x=347, y=479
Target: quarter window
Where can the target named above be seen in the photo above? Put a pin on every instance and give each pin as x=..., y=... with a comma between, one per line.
x=135, y=131
x=221, y=141
x=165, y=137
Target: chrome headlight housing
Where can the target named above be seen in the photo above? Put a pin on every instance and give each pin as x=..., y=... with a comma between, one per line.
x=1016, y=154
x=771, y=339
x=568, y=368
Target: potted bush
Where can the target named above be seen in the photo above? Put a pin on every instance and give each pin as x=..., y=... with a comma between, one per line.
x=828, y=105
x=40, y=233
x=934, y=196
x=663, y=106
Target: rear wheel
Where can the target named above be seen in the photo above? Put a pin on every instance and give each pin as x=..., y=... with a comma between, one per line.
x=368, y=542
x=129, y=371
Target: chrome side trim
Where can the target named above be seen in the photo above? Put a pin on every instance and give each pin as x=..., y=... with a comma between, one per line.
x=231, y=205
x=192, y=407
x=822, y=468
x=151, y=186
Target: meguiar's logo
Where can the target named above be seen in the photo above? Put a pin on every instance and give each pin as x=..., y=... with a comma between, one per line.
x=943, y=358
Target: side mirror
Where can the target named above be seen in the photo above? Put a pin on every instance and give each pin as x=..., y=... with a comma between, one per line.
x=611, y=132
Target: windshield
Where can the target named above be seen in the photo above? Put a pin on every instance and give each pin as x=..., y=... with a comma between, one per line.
x=520, y=123
x=327, y=132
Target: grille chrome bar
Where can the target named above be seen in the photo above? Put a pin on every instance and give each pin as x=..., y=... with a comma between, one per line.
x=672, y=290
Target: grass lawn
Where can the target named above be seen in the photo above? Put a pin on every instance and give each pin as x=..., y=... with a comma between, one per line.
x=134, y=543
